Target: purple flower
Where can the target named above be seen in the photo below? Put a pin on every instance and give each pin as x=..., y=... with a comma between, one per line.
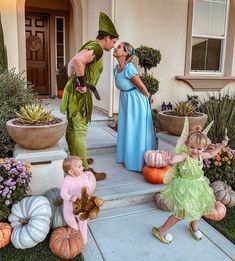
x=5, y=191
x=1, y=178
x=7, y=202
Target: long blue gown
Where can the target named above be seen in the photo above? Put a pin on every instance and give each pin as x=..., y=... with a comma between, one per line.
x=135, y=127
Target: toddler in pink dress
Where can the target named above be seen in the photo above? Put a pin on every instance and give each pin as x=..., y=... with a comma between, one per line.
x=74, y=180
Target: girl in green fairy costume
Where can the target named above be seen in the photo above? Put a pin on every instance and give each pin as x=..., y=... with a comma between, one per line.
x=188, y=194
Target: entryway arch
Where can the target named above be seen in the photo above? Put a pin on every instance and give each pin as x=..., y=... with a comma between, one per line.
x=76, y=30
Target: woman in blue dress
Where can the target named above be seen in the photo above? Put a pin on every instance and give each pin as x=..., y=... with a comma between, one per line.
x=135, y=125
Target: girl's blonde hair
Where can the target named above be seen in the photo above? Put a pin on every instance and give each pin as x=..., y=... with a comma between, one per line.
x=131, y=57
x=197, y=137
x=68, y=162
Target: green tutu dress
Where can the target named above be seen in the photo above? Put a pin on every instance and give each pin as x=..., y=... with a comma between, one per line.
x=188, y=194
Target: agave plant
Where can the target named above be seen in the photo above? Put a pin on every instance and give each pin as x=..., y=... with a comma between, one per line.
x=184, y=108
x=220, y=109
x=34, y=113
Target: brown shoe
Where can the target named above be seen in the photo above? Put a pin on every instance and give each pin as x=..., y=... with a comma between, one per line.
x=98, y=175
x=90, y=161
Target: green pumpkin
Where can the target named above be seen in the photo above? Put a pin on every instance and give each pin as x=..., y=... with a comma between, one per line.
x=57, y=218
x=30, y=220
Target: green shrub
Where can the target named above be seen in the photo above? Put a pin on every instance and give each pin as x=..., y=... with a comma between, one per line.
x=3, y=49
x=149, y=58
x=220, y=109
x=14, y=92
x=151, y=83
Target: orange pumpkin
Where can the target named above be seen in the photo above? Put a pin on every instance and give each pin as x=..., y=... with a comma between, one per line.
x=5, y=234
x=219, y=212
x=66, y=242
x=155, y=175
x=60, y=93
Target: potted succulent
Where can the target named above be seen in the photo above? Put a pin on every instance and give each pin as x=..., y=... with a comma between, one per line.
x=61, y=79
x=173, y=120
x=36, y=128
x=149, y=58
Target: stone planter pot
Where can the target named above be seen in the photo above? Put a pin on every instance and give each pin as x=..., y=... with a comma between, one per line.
x=37, y=137
x=174, y=124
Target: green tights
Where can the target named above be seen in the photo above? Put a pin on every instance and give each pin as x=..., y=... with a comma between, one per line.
x=76, y=138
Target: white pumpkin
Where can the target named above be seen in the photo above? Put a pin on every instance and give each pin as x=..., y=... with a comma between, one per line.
x=57, y=218
x=92, y=179
x=154, y=158
x=30, y=220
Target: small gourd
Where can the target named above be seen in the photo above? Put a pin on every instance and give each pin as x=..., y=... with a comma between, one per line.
x=219, y=212
x=57, y=218
x=5, y=234
x=160, y=202
x=224, y=193
x=154, y=175
x=154, y=158
x=30, y=220
x=66, y=242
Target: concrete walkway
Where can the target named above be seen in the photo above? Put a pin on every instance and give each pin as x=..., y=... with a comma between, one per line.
x=122, y=230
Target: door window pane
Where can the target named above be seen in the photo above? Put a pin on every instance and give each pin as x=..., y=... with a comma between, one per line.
x=60, y=41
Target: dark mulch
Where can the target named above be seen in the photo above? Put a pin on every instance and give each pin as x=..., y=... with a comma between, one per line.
x=55, y=121
x=40, y=252
x=226, y=226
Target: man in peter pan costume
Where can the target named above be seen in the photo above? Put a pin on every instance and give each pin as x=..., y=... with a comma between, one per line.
x=85, y=69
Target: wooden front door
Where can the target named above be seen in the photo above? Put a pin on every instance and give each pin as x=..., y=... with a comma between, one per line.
x=37, y=52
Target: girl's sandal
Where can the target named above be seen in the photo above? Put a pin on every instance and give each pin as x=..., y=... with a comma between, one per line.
x=196, y=235
x=156, y=233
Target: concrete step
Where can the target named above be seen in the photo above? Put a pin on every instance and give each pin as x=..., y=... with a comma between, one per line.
x=100, y=140
x=121, y=188
x=98, y=117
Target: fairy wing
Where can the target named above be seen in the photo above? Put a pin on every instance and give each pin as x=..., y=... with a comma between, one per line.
x=169, y=175
x=208, y=127
x=180, y=147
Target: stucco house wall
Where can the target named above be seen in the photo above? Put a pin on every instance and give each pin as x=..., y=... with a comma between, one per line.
x=161, y=25
x=155, y=23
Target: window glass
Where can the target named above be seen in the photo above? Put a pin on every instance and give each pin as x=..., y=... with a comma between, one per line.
x=206, y=54
x=218, y=14
x=60, y=41
x=201, y=17
x=208, y=35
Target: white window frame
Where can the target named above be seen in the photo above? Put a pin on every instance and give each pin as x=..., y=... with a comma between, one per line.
x=223, y=45
x=63, y=18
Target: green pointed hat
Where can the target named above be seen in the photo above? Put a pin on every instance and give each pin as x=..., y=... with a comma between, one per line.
x=106, y=26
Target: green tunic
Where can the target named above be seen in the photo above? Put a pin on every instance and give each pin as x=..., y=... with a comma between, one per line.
x=73, y=101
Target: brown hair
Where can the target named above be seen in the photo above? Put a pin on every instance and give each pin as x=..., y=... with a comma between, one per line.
x=131, y=57
x=197, y=137
x=68, y=162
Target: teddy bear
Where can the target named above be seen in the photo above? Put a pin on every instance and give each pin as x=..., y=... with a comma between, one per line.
x=87, y=207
